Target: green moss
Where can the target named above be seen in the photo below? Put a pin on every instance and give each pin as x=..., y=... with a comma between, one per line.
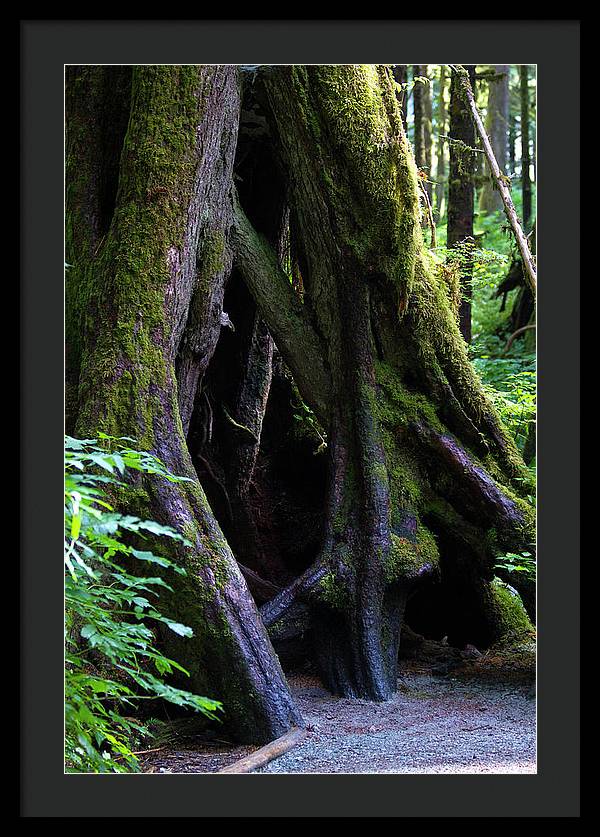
x=211, y=257
x=433, y=323
x=332, y=591
x=405, y=559
x=428, y=548
x=121, y=295
x=397, y=406
x=405, y=478
x=352, y=118
x=510, y=614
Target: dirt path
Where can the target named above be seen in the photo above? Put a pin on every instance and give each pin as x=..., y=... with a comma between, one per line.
x=469, y=721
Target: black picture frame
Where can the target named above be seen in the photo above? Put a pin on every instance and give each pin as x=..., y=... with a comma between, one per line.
x=46, y=45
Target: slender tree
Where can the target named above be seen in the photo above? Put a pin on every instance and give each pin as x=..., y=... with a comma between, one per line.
x=525, y=150
x=440, y=174
x=496, y=124
x=500, y=179
x=401, y=76
x=461, y=192
x=428, y=131
x=422, y=122
x=513, y=107
x=418, y=116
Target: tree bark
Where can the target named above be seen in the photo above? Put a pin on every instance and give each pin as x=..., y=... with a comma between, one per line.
x=427, y=132
x=461, y=193
x=512, y=139
x=145, y=303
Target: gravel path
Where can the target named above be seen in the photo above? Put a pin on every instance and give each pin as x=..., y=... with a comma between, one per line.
x=469, y=721
x=432, y=725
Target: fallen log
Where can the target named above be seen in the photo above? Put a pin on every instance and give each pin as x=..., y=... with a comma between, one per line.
x=264, y=755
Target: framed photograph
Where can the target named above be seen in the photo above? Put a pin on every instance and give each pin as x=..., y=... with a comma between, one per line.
x=287, y=372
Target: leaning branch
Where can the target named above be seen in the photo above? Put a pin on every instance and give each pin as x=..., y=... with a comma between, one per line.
x=260, y=588
x=275, y=609
x=429, y=213
x=283, y=312
x=512, y=337
x=499, y=177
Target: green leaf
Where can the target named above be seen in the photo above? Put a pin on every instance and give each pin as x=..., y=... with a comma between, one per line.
x=178, y=628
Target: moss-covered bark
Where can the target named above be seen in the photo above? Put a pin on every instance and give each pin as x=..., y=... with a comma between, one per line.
x=409, y=427
x=144, y=298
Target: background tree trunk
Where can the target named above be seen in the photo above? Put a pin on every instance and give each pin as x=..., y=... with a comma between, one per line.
x=440, y=174
x=461, y=192
x=512, y=139
x=525, y=153
x=428, y=131
x=422, y=122
x=150, y=256
x=401, y=76
x=418, y=117
x=496, y=124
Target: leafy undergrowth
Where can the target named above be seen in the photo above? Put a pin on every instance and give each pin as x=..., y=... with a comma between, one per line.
x=111, y=661
x=509, y=377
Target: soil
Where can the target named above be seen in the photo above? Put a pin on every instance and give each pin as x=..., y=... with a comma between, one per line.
x=454, y=712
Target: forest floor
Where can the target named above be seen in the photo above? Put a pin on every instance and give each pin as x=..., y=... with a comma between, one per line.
x=452, y=714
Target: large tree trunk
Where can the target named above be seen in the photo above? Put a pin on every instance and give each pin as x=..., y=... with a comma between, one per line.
x=149, y=171
x=497, y=125
x=423, y=481
x=461, y=193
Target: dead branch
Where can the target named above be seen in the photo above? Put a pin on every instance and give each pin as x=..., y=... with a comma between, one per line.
x=500, y=179
x=512, y=337
x=429, y=212
x=258, y=586
x=259, y=758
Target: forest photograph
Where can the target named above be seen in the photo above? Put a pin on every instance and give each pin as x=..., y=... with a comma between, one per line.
x=300, y=418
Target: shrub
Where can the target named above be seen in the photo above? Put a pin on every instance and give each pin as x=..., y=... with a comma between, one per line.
x=111, y=660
